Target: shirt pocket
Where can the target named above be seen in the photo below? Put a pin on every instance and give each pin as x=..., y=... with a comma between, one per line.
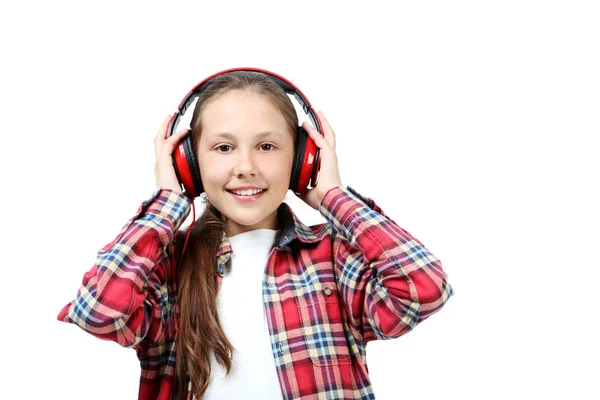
x=322, y=324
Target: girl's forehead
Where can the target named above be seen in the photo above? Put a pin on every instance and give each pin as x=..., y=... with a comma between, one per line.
x=238, y=96
x=235, y=116
x=248, y=106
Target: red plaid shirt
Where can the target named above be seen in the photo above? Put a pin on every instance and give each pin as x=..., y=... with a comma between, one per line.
x=329, y=289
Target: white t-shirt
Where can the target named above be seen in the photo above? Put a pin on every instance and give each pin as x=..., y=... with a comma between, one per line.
x=242, y=315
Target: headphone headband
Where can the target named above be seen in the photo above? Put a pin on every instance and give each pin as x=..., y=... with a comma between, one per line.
x=286, y=85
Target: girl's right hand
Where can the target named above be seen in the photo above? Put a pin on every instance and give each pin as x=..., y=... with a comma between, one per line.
x=163, y=148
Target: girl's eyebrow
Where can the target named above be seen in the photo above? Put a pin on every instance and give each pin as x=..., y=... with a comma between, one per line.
x=230, y=136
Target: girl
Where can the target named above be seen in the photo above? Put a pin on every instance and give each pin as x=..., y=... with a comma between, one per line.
x=259, y=306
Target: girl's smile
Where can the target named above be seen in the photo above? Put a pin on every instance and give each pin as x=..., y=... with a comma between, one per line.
x=247, y=194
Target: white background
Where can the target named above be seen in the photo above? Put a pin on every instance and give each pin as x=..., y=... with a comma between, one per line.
x=473, y=124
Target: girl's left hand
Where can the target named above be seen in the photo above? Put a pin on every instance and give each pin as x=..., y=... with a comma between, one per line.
x=329, y=175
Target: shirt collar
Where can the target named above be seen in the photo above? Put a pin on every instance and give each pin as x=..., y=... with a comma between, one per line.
x=291, y=228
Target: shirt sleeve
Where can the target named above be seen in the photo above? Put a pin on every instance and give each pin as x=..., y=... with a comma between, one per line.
x=388, y=280
x=126, y=294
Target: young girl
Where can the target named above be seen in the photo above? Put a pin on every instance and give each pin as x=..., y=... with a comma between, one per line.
x=259, y=306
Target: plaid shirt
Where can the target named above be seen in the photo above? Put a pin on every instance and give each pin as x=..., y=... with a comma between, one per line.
x=328, y=290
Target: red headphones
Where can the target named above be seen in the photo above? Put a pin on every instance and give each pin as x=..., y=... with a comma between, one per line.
x=305, y=167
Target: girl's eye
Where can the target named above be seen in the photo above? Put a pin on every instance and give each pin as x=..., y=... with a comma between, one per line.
x=225, y=148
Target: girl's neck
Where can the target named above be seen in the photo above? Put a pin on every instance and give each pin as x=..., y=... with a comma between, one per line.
x=270, y=222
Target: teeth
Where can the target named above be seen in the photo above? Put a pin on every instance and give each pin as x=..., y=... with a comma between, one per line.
x=247, y=192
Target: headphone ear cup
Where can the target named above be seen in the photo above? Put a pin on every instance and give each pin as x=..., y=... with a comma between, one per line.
x=195, y=186
x=300, y=146
x=186, y=168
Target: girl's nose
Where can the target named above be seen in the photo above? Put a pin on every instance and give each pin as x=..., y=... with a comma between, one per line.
x=244, y=165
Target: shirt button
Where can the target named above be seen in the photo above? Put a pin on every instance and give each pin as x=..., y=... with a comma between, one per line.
x=327, y=291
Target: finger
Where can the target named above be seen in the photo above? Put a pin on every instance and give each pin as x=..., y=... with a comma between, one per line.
x=161, y=135
x=170, y=143
x=315, y=135
x=329, y=134
x=162, y=131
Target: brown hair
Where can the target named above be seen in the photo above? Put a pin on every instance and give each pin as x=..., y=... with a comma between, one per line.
x=200, y=331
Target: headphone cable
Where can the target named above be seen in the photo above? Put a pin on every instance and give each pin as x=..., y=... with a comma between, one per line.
x=187, y=236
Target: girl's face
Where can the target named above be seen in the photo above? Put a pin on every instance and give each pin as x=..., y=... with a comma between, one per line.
x=245, y=145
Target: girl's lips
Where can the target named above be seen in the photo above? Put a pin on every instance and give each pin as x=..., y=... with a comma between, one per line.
x=247, y=198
